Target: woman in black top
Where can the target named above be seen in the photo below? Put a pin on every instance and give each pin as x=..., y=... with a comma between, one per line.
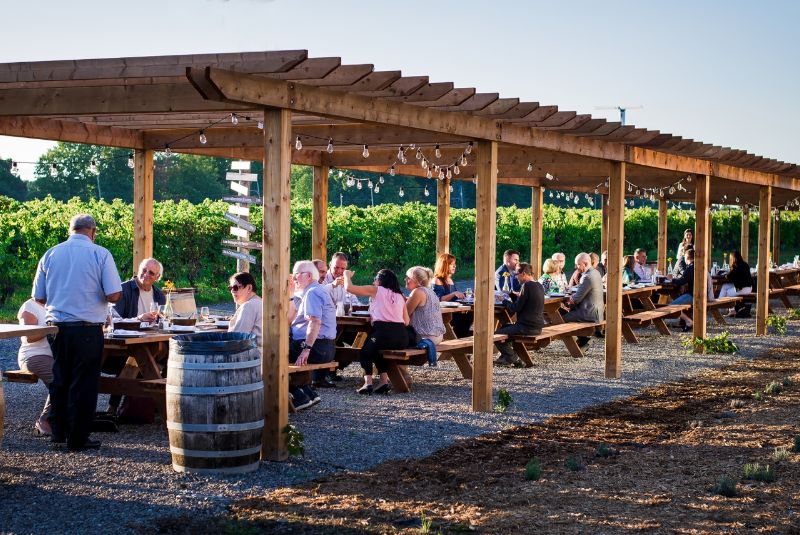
x=739, y=280
x=529, y=308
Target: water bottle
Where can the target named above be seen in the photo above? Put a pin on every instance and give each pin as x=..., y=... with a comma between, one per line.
x=340, y=309
x=669, y=268
x=110, y=319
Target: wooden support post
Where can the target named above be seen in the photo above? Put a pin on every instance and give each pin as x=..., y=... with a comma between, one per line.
x=604, y=224
x=662, y=235
x=762, y=285
x=776, y=239
x=702, y=254
x=142, y=207
x=616, y=231
x=442, y=216
x=274, y=274
x=745, y=245
x=537, y=222
x=485, y=236
x=319, y=217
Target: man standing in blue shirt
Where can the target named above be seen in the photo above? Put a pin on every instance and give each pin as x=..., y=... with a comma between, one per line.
x=313, y=330
x=507, y=272
x=76, y=280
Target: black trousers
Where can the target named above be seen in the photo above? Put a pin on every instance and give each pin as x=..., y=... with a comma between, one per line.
x=78, y=352
x=384, y=335
x=323, y=350
x=507, y=347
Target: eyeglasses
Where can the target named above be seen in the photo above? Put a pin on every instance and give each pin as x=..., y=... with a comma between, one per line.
x=234, y=288
x=149, y=272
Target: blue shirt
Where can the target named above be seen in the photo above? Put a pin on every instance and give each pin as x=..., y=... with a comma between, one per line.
x=317, y=303
x=74, y=278
x=513, y=283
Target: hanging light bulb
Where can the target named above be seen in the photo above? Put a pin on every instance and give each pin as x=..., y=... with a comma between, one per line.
x=351, y=181
x=130, y=161
x=451, y=188
x=637, y=191
x=298, y=145
x=329, y=148
x=737, y=200
x=365, y=152
x=530, y=167
x=437, y=151
x=576, y=199
x=456, y=169
x=14, y=169
x=403, y=159
x=370, y=185
x=53, y=170
x=441, y=174
x=429, y=174
x=418, y=155
x=671, y=191
x=358, y=185
x=631, y=203
x=391, y=170
x=548, y=176
x=449, y=173
x=426, y=192
x=400, y=153
x=688, y=178
x=380, y=179
x=596, y=191
x=401, y=192
x=234, y=119
x=468, y=150
x=203, y=138
x=661, y=193
x=377, y=189
x=260, y=125
x=475, y=180
x=93, y=166
x=168, y=151
x=551, y=194
x=424, y=164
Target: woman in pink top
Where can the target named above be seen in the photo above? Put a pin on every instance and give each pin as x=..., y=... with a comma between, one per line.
x=389, y=319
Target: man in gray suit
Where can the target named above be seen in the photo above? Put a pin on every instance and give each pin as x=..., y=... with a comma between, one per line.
x=587, y=302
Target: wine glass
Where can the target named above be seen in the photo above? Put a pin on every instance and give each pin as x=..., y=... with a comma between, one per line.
x=468, y=293
x=204, y=313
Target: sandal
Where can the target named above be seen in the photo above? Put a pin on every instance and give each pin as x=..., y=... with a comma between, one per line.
x=41, y=429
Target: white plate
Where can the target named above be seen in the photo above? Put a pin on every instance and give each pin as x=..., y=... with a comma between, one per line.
x=222, y=323
x=448, y=304
x=363, y=313
x=555, y=294
x=122, y=333
x=182, y=329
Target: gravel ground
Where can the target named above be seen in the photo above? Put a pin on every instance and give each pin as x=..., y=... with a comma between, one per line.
x=130, y=481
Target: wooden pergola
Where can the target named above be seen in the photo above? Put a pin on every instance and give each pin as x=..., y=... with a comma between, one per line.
x=150, y=104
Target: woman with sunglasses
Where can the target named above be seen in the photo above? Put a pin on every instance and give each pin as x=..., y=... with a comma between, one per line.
x=389, y=319
x=247, y=318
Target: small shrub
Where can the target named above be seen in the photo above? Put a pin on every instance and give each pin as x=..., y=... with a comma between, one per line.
x=719, y=344
x=777, y=324
x=737, y=403
x=780, y=454
x=756, y=472
x=426, y=524
x=725, y=486
x=758, y=396
x=503, y=400
x=794, y=313
x=294, y=440
x=773, y=389
x=602, y=450
x=787, y=382
x=574, y=463
x=533, y=470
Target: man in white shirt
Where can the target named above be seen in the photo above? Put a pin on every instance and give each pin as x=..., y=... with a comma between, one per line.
x=334, y=280
x=640, y=266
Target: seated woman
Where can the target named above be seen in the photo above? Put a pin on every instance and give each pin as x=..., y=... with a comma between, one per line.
x=35, y=356
x=546, y=280
x=445, y=289
x=424, y=311
x=739, y=280
x=389, y=319
x=529, y=308
x=628, y=275
x=247, y=318
x=680, y=263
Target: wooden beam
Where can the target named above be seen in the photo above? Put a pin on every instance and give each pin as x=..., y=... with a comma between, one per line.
x=442, y=216
x=485, y=236
x=537, y=222
x=745, y=241
x=74, y=132
x=662, y=235
x=762, y=286
x=252, y=90
x=319, y=227
x=616, y=230
x=776, y=239
x=143, y=207
x=702, y=204
x=604, y=224
x=274, y=276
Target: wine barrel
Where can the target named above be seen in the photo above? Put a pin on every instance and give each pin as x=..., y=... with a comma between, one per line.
x=215, y=403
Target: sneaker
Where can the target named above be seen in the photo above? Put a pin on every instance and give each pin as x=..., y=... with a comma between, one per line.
x=583, y=342
x=518, y=364
x=300, y=399
x=312, y=394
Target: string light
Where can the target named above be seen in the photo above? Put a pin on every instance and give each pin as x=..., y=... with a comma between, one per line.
x=437, y=151
x=234, y=119
x=329, y=148
x=358, y=185
x=392, y=171
x=377, y=189
x=530, y=167
x=418, y=156
x=260, y=125
x=365, y=152
x=53, y=170
x=456, y=170
x=426, y=192
x=168, y=151
x=401, y=192
x=400, y=153
x=468, y=150
x=298, y=145
x=130, y=161
x=14, y=169
x=93, y=166
x=380, y=179
x=203, y=138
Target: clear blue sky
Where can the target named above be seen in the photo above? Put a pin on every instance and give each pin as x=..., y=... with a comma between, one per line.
x=724, y=72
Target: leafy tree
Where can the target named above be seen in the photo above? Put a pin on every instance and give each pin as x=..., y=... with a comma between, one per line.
x=189, y=177
x=10, y=185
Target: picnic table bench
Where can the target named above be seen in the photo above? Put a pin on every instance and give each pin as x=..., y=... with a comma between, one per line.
x=566, y=332
x=655, y=316
x=718, y=304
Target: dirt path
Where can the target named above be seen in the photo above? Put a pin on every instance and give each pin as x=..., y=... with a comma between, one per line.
x=667, y=448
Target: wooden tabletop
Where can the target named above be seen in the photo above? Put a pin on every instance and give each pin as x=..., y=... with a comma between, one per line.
x=12, y=330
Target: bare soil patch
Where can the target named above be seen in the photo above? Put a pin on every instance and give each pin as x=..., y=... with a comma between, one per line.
x=667, y=447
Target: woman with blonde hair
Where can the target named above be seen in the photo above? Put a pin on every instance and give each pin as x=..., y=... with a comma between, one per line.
x=423, y=305
x=546, y=280
x=445, y=289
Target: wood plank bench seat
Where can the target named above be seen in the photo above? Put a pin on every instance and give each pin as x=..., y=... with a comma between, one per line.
x=457, y=348
x=19, y=376
x=794, y=289
x=656, y=316
x=718, y=304
x=307, y=368
x=557, y=331
x=774, y=293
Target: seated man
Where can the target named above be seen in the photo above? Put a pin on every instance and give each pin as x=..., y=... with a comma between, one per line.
x=587, y=302
x=138, y=294
x=313, y=331
x=322, y=268
x=506, y=272
x=640, y=266
x=529, y=308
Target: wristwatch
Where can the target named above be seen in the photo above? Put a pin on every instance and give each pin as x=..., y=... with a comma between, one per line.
x=303, y=345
